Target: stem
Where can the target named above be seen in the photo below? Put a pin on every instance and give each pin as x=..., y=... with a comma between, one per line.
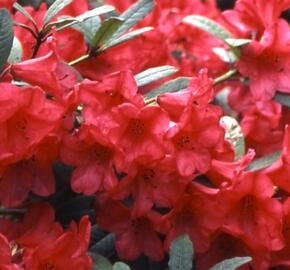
x=80, y=59
x=26, y=28
x=11, y=211
x=224, y=77
x=217, y=80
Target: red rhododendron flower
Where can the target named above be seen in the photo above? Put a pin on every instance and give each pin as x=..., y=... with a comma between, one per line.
x=140, y=131
x=49, y=73
x=94, y=156
x=151, y=182
x=100, y=98
x=254, y=17
x=6, y=255
x=265, y=63
x=251, y=212
x=8, y=4
x=135, y=235
x=196, y=213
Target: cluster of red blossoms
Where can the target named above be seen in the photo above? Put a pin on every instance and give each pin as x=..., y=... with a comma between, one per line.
x=158, y=168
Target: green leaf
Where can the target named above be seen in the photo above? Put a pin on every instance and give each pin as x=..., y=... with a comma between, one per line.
x=234, y=135
x=231, y=264
x=283, y=99
x=181, y=254
x=56, y=7
x=237, y=42
x=91, y=14
x=209, y=26
x=154, y=74
x=88, y=28
x=128, y=36
x=264, y=162
x=225, y=55
x=133, y=15
x=23, y=11
x=6, y=36
x=105, y=246
x=105, y=32
x=100, y=262
x=121, y=266
x=175, y=85
x=16, y=52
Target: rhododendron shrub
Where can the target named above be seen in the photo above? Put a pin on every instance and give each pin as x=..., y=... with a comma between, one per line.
x=151, y=132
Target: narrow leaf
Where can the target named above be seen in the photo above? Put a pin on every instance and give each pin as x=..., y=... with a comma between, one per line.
x=121, y=266
x=88, y=28
x=23, y=11
x=154, y=74
x=86, y=16
x=209, y=26
x=6, y=36
x=100, y=262
x=237, y=42
x=234, y=135
x=106, y=246
x=264, y=162
x=105, y=32
x=133, y=15
x=56, y=7
x=231, y=264
x=225, y=55
x=181, y=254
x=169, y=87
x=283, y=99
x=16, y=52
x=128, y=36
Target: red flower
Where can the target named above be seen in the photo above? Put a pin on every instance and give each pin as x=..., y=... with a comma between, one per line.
x=196, y=213
x=140, y=131
x=49, y=73
x=151, y=182
x=266, y=63
x=135, y=235
x=6, y=255
x=30, y=118
x=225, y=246
x=94, y=156
x=100, y=98
x=62, y=249
x=251, y=212
x=253, y=17
x=193, y=139
x=262, y=127
x=279, y=170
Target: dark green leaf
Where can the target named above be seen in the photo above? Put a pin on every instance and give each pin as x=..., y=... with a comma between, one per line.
x=16, y=52
x=154, y=74
x=100, y=262
x=24, y=12
x=175, y=85
x=209, y=26
x=88, y=28
x=128, y=36
x=121, y=266
x=264, y=162
x=181, y=254
x=232, y=264
x=6, y=36
x=56, y=7
x=106, y=246
x=234, y=135
x=133, y=15
x=283, y=99
x=237, y=42
x=105, y=32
